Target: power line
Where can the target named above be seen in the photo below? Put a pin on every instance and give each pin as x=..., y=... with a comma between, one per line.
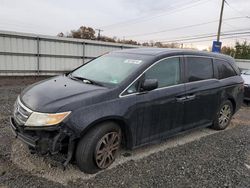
x=173, y=29
x=227, y=37
x=206, y=36
x=225, y=34
x=233, y=28
x=206, y=40
x=227, y=3
x=147, y=18
x=183, y=27
x=202, y=35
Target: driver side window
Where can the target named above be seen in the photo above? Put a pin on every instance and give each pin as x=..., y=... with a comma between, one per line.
x=167, y=72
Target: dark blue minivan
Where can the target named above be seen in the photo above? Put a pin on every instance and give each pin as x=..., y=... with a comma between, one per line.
x=127, y=98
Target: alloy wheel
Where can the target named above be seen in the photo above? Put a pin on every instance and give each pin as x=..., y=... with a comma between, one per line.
x=225, y=115
x=107, y=148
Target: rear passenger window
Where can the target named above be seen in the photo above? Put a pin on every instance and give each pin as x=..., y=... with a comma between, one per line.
x=223, y=69
x=199, y=68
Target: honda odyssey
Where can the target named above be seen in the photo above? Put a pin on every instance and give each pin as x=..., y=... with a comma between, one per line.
x=127, y=98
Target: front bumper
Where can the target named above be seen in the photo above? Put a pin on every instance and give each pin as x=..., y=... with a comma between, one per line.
x=29, y=140
x=46, y=141
x=42, y=141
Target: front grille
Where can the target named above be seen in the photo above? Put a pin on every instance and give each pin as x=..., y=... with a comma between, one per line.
x=20, y=112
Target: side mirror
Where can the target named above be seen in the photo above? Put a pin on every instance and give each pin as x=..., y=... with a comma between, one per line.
x=149, y=84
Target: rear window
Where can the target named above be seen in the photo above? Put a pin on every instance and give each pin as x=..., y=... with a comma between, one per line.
x=224, y=69
x=199, y=68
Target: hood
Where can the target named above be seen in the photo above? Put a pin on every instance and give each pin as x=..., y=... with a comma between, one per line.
x=59, y=93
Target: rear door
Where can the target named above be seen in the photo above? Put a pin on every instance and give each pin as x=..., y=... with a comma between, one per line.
x=201, y=92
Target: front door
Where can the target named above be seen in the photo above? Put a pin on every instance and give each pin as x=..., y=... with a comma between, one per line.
x=160, y=111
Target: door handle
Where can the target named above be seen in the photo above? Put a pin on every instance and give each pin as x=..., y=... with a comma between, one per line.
x=181, y=99
x=191, y=97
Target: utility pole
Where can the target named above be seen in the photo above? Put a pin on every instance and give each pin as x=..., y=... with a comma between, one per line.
x=221, y=15
x=99, y=33
x=217, y=44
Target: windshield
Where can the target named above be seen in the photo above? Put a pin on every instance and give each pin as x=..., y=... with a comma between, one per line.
x=109, y=69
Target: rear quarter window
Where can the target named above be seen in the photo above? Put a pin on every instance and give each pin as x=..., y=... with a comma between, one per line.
x=223, y=69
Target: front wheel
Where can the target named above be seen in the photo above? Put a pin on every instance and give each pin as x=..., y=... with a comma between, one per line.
x=97, y=150
x=223, y=116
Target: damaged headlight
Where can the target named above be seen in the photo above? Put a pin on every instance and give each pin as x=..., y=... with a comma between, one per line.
x=46, y=119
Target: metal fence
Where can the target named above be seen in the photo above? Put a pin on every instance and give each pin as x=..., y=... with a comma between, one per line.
x=30, y=54
x=243, y=63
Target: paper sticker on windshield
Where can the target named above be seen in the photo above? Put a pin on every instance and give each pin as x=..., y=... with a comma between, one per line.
x=133, y=61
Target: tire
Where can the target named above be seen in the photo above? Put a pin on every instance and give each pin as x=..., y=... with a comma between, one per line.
x=92, y=154
x=223, y=116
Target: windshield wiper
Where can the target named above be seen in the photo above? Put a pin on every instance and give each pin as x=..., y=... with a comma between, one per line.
x=85, y=80
x=74, y=77
x=88, y=81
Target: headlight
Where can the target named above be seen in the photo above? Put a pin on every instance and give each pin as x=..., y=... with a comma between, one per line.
x=45, y=119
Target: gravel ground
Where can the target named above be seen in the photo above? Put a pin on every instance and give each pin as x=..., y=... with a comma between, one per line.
x=202, y=158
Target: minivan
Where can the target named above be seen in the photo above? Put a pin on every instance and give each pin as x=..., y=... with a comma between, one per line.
x=127, y=98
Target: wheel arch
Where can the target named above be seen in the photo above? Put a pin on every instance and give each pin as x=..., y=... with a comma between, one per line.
x=127, y=136
x=231, y=99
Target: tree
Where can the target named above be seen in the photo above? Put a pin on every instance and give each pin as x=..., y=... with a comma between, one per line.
x=145, y=44
x=242, y=50
x=158, y=45
x=172, y=45
x=123, y=41
x=84, y=33
x=60, y=34
x=106, y=39
x=89, y=33
x=228, y=50
x=239, y=51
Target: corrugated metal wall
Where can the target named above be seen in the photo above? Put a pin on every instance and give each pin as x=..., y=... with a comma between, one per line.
x=29, y=54
x=243, y=64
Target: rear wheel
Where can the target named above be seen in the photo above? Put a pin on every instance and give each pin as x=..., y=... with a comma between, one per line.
x=223, y=116
x=97, y=150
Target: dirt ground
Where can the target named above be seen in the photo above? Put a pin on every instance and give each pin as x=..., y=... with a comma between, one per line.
x=199, y=158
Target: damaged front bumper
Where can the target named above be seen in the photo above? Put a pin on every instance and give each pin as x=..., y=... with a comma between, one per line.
x=45, y=139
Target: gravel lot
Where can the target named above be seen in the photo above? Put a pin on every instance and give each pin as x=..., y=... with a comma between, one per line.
x=199, y=158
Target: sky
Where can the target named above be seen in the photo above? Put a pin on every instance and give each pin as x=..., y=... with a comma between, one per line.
x=141, y=20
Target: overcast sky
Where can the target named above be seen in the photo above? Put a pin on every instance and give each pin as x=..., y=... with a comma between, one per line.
x=129, y=19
